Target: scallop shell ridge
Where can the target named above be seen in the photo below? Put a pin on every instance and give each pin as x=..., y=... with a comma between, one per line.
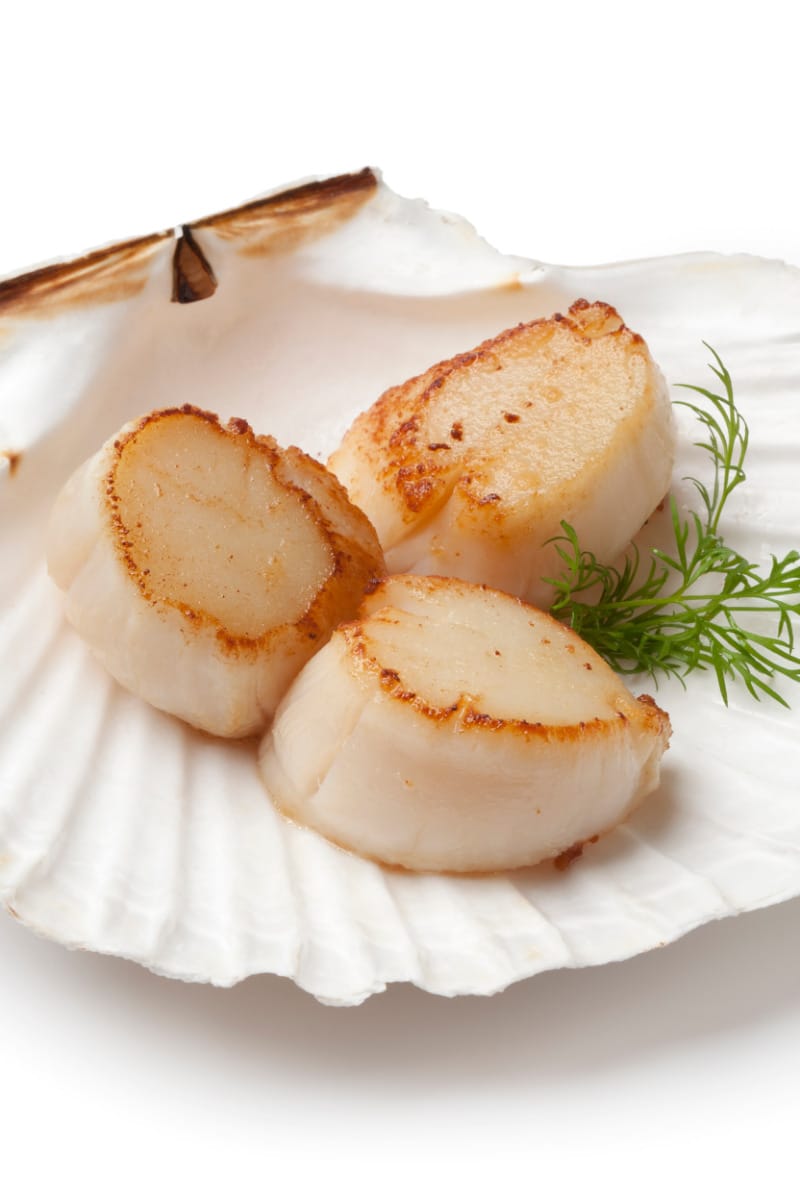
x=125, y=832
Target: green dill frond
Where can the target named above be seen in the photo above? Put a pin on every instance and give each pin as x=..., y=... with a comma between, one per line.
x=687, y=608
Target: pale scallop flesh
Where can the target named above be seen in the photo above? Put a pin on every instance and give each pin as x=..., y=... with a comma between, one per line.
x=205, y=565
x=450, y=727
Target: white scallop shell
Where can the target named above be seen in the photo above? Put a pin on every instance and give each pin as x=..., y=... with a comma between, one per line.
x=125, y=832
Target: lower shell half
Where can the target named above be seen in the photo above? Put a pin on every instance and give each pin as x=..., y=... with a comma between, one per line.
x=126, y=832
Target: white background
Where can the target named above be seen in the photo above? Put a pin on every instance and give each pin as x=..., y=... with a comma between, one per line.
x=575, y=133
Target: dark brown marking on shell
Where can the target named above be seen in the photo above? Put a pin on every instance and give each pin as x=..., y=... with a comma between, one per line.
x=14, y=458
x=120, y=271
x=568, y=856
x=306, y=196
x=438, y=446
x=457, y=431
x=192, y=275
x=114, y=273
x=287, y=219
x=511, y=417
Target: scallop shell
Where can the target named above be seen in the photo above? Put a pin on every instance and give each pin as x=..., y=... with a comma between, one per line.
x=125, y=832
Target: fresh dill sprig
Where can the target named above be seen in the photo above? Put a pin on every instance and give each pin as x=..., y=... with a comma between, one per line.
x=693, y=607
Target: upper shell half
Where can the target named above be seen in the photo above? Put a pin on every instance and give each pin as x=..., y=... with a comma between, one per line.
x=123, y=830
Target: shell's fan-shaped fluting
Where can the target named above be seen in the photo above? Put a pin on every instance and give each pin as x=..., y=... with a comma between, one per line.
x=124, y=831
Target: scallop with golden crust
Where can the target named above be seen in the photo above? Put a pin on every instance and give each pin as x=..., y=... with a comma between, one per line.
x=469, y=469
x=451, y=727
x=205, y=565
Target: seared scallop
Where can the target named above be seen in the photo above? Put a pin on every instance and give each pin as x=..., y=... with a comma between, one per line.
x=205, y=565
x=451, y=727
x=469, y=469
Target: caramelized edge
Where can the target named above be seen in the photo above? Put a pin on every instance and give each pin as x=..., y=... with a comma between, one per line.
x=310, y=624
x=423, y=477
x=462, y=713
x=118, y=272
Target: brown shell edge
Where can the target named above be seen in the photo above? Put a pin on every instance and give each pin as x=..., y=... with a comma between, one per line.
x=305, y=199
x=112, y=273
x=118, y=271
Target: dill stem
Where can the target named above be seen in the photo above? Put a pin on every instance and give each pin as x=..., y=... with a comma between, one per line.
x=684, y=598
x=638, y=628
